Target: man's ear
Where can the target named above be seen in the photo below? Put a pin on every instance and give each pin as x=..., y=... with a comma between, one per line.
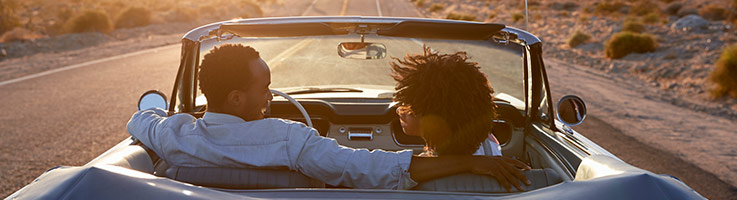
x=235, y=98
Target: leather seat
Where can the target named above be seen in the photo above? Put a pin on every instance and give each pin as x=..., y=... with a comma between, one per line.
x=467, y=182
x=242, y=178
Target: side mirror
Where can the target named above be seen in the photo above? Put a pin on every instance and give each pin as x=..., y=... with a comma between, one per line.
x=571, y=110
x=361, y=50
x=152, y=99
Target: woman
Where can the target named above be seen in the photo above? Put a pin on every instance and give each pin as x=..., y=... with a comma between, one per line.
x=446, y=100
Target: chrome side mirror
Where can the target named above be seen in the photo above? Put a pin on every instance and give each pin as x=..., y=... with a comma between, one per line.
x=571, y=110
x=152, y=99
x=361, y=50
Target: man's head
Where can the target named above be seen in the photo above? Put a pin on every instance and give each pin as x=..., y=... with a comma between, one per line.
x=451, y=98
x=235, y=80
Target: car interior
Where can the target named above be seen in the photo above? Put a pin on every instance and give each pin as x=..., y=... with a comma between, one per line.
x=360, y=123
x=371, y=122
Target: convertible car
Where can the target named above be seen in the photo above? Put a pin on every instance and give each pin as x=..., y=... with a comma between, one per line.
x=333, y=74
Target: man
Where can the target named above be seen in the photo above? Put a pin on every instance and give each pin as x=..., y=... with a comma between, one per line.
x=447, y=101
x=234, y=133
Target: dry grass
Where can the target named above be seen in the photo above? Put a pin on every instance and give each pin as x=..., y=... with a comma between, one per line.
x=89, y=21
x=578, y=38
x=633, y=26
x=133, y=17
x=623, y=43
x=725, y=74
x=457, y=16
x=436, y=7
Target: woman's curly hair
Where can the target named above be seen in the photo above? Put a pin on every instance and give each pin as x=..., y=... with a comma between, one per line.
x=450, y=95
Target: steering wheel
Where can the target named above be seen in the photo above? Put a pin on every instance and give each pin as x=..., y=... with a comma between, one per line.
x=297, y=104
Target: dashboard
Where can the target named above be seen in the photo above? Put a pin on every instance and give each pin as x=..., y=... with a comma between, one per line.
x=373, y=123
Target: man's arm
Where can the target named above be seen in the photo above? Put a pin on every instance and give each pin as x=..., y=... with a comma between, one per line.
x=143, y=125
x=505, y=170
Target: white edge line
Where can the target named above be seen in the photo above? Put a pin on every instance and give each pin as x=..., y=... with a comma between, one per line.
x=378, y=8
x=32, y=76
x=309, y=7
x=417, y=41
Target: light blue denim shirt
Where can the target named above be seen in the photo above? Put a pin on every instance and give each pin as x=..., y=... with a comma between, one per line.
x=222, y=140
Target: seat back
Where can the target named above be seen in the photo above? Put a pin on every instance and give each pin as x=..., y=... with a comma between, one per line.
x=486, y=184
x=242, y=178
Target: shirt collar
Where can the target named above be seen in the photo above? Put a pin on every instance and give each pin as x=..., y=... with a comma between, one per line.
x=220, y=118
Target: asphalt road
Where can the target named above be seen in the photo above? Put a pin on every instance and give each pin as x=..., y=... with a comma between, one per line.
x=70, y=117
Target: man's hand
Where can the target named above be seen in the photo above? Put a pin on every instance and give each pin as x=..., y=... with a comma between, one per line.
x=505, y=170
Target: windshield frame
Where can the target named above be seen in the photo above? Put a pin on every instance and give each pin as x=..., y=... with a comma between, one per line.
x=185, y=88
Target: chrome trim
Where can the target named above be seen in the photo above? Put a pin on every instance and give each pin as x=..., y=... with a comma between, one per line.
x=205, y=31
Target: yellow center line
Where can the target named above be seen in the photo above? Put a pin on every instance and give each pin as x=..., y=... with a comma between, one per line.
x=276, y=61
x=345, y=6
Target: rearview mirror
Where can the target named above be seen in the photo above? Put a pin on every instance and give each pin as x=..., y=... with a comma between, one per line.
x=571, y=110
x=152, y=99
x=361, y=50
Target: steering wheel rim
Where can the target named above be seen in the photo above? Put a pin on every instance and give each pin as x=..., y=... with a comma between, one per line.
x=297, y=104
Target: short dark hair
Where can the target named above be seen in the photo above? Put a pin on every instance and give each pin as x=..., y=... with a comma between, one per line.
x=451, y=95
x=224, y=69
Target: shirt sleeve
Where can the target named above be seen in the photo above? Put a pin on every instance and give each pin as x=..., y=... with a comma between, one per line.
x=146, y=125
x=324, y=159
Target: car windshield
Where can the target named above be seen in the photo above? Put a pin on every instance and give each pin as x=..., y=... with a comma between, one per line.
x=313, y=61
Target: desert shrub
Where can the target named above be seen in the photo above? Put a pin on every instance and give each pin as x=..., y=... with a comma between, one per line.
x=623, y=43
x=18, y=34
x=725, y=74
x=436, y=7
x=607, y=7
x=713, y=12
x=583, y=19
x=651, y=18
x=578, y=38
x=644, y=7
x=457, y=16
x=491, y=16
x=133, y=17
x=253, y=9
x=420, y=3
x=183, y=14
x=673, y=8
x=8, y=19
x=517, y=16
x=89, y=21
x=633, y=26
x=687, y=11
x=733, y=14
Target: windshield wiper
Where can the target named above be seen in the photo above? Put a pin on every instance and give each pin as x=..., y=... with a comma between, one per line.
x=310, y=90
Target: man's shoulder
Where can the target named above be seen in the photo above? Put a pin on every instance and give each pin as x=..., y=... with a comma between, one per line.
x=284, y=121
